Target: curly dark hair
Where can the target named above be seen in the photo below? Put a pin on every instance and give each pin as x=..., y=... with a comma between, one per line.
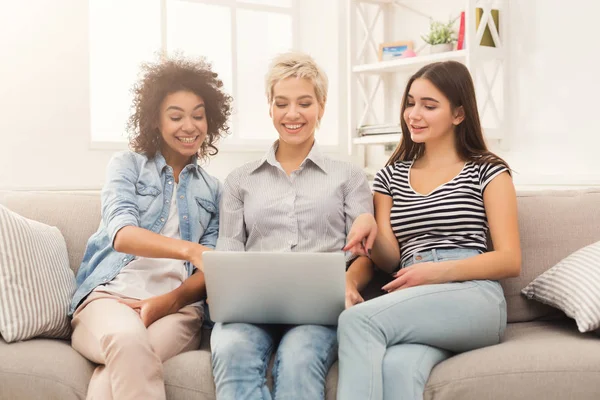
x=162, y=78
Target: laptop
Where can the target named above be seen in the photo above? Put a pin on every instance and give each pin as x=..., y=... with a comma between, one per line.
x=275, y=288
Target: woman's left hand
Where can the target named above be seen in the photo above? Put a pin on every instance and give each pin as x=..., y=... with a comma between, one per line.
x=362, y=235
x=154, y=308
x=427, y=273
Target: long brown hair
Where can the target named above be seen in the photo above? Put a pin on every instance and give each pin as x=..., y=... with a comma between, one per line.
x=454, y=81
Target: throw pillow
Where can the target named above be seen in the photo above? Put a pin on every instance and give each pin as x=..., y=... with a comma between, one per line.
x=573, y=286
x=36, y=283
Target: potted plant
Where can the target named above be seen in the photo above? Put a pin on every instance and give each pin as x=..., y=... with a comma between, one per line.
x=440, y=36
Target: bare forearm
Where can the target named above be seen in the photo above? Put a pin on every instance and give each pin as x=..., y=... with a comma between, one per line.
x=385, y=254
x=193, y=289
x=155, y=308
x=360, y=272
x=144, y=243
x=493, y=265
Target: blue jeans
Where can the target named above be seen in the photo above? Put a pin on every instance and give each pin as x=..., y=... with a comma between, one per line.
x=241, y=354
x=389, y=345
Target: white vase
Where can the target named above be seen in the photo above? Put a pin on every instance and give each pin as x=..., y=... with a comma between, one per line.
x=440, y=48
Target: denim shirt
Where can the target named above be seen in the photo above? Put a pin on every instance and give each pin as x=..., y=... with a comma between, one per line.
x=137, y=192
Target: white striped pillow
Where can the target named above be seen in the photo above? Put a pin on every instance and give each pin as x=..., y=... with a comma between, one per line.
x=573, y=286
x=36, y=283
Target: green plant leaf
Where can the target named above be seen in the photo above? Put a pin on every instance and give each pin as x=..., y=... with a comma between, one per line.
x=440, y=33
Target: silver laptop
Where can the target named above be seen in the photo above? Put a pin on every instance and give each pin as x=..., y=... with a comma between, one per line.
x=275, y=288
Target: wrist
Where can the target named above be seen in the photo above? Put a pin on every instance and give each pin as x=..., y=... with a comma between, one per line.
x=448, y=272
x=174, y=300
x=367, y=216
x=351, y=282
x=187, y=250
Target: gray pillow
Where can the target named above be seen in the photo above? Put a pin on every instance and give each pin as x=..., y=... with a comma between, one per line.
x=573, y=286
x=36, y=283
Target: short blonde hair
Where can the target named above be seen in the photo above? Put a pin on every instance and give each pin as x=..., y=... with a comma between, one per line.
x=298, y=65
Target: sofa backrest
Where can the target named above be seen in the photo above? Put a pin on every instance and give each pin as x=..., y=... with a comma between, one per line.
x=552, y=225
x=75, y=214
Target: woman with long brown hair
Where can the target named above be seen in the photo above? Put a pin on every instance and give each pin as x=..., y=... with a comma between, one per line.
x=437, y=199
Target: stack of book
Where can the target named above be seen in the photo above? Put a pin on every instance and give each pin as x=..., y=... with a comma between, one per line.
x=382, y=129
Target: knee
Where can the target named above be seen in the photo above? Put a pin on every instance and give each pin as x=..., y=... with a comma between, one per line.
x=303, y=337
x=230, y=355
x=411, y=364
x=125, y=340
x=301, y=363
x=307, y=348
x=304, y=365
x=351, y=320
x=228, y=352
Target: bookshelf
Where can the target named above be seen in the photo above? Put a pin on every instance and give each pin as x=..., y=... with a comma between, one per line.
x=408, y=63
x=375, y=87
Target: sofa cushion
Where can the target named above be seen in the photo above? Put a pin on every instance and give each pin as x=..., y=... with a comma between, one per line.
x=552, y=225
x=75, y=214
x=36, y=283
x=536, y=360
x=43, y=369
x=189, y=376
x=573, y=286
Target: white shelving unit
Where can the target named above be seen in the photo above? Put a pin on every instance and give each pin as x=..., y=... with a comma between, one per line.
x=375, y=87
x=408, y=63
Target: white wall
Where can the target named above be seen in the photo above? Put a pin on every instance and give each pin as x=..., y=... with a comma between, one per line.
x=555, y=87
x=44, y=96
x=44, y=93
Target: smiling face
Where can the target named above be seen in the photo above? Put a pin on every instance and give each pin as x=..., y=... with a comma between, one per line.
x=182, y=125
x=429, y=114
x=295, y=110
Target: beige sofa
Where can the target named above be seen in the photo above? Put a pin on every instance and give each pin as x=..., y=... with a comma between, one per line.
x=542, y=355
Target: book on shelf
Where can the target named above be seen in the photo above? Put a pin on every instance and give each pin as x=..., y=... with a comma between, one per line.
x=460, y=44
x=393, y=50
x=380, y=129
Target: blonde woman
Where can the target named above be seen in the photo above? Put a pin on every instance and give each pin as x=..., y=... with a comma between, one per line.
x=293, y=199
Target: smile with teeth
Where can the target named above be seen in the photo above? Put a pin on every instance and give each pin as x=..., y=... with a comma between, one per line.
x=293, y=126
x=187, y=139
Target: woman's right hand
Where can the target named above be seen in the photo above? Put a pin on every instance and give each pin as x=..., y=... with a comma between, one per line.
x=195, y=256
x=153, y=308
x=362, y=235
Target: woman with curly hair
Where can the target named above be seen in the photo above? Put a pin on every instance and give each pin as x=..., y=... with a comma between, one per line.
x=140, y=284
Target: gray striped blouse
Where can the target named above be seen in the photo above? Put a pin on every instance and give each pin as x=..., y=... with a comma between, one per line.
x=312, y=210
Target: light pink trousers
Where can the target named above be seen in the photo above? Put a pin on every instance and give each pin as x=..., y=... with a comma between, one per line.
x=129, y=355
